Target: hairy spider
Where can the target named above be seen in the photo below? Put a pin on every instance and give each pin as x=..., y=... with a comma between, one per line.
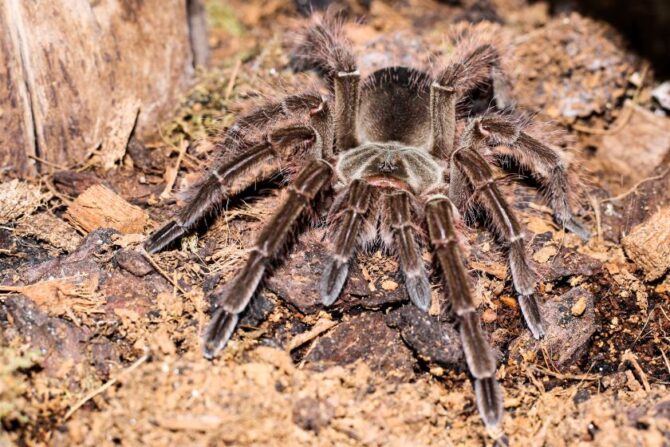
x=391, y=151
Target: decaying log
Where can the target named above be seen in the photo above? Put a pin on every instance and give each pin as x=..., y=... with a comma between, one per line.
x=100, y=207
x=78, y=77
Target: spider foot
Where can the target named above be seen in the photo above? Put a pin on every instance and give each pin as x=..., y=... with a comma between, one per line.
x=164, y=236
x=418, y=289
x=489, y=401
x=332, y=281
x=578, y=228
x=531, y=313
x=218, y=332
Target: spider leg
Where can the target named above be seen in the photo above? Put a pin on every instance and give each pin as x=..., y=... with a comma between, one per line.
x=472, y=63
x=454, y=81
x=398, y=212
x=263, y=119
x=242, y=169
x=476, y=62
x=213, y=191
x=478, y=354
x=232, y=298
x=346, y=238
x=475, y=168
x=324, y=47
x=543, y=160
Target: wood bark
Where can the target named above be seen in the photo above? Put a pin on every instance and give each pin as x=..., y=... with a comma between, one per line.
x=79, y=76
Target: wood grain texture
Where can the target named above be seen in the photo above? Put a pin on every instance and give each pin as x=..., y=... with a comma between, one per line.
x=77, y=75
x=100, y=207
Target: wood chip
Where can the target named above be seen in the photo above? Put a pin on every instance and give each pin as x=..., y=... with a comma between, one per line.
x=489, y=316
x=495, y=269
x=509, y=302
x=49, y=228
x=100, y=207
x=64, y=295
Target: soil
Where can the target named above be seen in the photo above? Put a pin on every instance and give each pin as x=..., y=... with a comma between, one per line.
x=100, y=342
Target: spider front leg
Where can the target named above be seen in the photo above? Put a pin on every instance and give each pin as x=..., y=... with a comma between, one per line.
x=324, y=47
x=468, y=163
x=478, y=354
x=546, y=163
x=233, y=298
x=256, y=161
x=403, y=231
x=349, y=223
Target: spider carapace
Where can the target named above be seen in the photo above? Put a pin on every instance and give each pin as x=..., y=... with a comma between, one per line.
x=403, y=156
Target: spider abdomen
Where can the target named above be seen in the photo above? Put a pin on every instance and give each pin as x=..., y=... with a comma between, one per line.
x=391, y=164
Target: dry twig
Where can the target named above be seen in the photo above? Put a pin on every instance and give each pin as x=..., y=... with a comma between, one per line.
x=171, y=173
x=632, y=359
x=635, y=186
x=106, y=385
x=163, y=273
x=319, y=328
x=233, y=78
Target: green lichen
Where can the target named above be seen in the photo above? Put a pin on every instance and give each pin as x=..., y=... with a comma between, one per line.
x=222, y=16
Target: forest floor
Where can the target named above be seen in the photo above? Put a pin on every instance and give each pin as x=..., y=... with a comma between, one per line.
x=100, y=342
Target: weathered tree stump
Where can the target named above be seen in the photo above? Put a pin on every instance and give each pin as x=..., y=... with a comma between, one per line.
x=78, y=76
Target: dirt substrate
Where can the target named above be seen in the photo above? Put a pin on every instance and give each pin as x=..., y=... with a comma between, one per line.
x=99, y=342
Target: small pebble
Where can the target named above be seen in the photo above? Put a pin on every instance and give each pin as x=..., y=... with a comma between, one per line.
x=389, y=285
x=579, y=307
x=509, y=302
x=489, y=316
x=437, y=371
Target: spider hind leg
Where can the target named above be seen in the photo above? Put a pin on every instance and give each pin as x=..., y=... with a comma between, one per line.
x=472, y=168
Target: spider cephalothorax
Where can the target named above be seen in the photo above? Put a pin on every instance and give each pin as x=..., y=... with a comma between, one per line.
x=402, y=170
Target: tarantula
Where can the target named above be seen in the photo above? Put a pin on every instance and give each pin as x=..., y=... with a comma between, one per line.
x=400, y=155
